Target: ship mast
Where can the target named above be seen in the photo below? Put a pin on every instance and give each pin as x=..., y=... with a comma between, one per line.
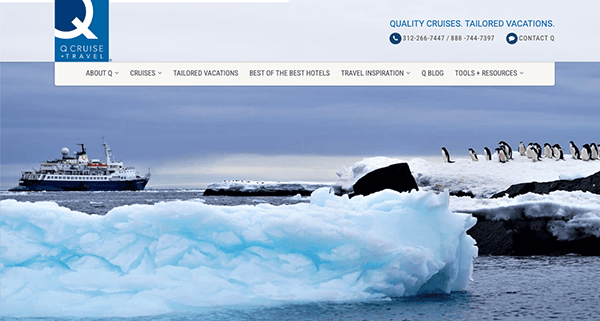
x=107, y=152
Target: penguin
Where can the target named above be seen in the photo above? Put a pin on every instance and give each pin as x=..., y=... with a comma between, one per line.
x=507, y=149
x=501, y=155
x=574, y=150
x=538, y=147
x=594, y=149
x=446, y=155
x=558, y=152
x=522, y=149
x=473, y=155
x=529, y=151
x=586, y=152
x=533, y=153
x=487, y=154
x=548, y=151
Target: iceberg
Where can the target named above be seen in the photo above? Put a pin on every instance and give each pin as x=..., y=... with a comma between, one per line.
x=176, y=256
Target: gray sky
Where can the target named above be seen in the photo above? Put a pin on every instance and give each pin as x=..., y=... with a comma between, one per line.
x=191, y=136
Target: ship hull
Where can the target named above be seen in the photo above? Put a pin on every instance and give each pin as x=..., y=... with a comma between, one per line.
x=37, y=185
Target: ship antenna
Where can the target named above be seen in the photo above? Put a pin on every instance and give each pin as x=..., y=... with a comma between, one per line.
x=82, y=148
x=106, y=151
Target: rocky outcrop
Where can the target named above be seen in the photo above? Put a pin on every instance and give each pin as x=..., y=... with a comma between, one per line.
x=527, y=236
x=586, y=184
x=396, y=177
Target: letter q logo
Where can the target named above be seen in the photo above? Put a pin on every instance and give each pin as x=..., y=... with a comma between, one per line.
x=81, y=28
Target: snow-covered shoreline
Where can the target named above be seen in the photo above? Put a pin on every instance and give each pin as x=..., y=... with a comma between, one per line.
x=482, y=179
x=261, y=188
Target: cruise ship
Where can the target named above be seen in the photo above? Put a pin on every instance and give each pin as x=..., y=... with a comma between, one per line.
x=78, y=173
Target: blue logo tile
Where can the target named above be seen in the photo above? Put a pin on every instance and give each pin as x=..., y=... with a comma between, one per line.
x=81, y=30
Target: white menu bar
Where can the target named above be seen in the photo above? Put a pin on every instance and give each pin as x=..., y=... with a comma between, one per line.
x=305, y=74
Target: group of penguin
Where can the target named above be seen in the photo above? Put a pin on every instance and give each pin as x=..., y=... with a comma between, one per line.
x=533, y=151
x=588, y=151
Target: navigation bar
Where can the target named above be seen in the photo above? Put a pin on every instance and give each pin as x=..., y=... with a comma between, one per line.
x=305, y=74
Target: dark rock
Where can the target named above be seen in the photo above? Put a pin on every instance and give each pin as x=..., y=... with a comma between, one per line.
x=526, y=236
x=586, y=184
x=462, y=194
x=396, y=177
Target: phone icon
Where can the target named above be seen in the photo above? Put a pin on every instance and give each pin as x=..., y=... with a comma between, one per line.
x=395, y=38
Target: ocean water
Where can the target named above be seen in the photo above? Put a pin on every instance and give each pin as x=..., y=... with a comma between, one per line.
x=503, y=288
x=102, y=202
